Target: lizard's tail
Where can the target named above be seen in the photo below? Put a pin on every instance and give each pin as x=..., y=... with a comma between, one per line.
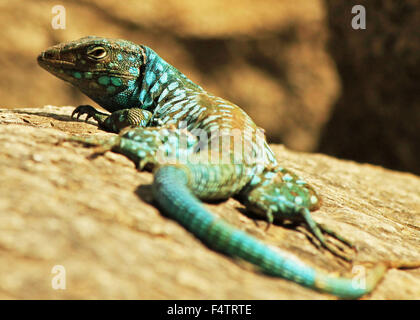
x=172, y=190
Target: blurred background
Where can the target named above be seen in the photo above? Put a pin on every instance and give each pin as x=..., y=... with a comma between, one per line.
x=296, y=66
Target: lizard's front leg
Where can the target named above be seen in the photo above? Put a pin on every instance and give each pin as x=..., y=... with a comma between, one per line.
x=147, y=146
x=116, y=121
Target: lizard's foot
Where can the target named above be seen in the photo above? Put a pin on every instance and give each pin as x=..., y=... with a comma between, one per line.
x=118, y=120
x=102, y=145
x=335, y=235
x=318, y=229
x=90, y=111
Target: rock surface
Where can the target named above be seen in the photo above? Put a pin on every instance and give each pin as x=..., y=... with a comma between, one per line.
x=94, y=217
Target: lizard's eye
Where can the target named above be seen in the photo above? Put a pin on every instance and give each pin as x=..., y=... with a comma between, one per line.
x=97, y=53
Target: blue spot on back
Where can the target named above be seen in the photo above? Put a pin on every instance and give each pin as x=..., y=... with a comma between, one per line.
x=150, y=77
x=163, y=78
x=159, y=67
x=134, y=71
x=173, y=85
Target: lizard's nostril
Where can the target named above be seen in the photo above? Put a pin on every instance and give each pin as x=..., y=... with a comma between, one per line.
x=47, y=55
x=40, y=57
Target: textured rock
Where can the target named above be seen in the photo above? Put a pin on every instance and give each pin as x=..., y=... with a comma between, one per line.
x=58, y=206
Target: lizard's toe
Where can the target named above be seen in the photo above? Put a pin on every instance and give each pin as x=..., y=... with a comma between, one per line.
x=84, y=109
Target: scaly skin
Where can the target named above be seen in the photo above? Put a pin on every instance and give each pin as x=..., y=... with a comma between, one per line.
x=188, y=136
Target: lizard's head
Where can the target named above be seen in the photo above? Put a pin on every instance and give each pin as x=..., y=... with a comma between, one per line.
x=97, y=66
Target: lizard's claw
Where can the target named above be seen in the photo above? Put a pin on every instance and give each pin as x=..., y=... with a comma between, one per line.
x=318, y=229
x=337, y=236
x=84, y=109
x=270, y=219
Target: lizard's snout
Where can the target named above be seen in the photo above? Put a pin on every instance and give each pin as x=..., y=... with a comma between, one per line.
x=53, y=60
x=47, y=55
x=40, y=57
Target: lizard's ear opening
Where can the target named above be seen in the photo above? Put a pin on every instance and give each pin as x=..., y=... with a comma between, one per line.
x=97, y=53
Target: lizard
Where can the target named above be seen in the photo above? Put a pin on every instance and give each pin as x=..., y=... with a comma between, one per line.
x=188, y=137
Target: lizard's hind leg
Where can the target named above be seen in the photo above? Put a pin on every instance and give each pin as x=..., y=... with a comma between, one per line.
x=278, y=194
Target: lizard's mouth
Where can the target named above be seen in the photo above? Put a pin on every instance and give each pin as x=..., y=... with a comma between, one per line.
x=48, y=60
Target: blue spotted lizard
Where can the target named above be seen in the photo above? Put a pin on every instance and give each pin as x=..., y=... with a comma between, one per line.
x=201, y=147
